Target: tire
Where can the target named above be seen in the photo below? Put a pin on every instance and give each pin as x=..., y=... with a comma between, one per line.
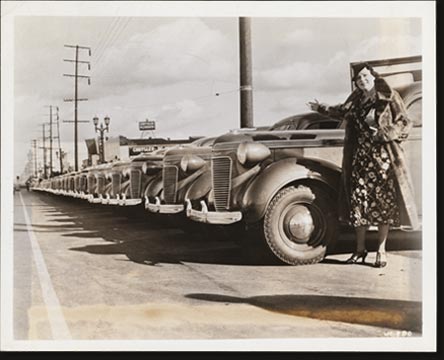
x=299, y=223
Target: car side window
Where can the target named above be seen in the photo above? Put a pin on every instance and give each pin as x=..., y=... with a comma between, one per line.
x=324, y=125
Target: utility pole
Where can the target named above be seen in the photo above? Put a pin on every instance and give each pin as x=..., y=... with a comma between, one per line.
x=76, y=99
x=34, y=145
x=246, y=83
x=44, y=152
x=50, y=140
x=58, y=137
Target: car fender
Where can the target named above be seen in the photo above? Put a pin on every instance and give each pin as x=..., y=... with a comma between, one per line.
x=278, y=175
x=155, y=186
x=200, y=187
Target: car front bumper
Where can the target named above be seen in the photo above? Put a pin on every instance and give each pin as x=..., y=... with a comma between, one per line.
x=212, y=217
x=157, y=207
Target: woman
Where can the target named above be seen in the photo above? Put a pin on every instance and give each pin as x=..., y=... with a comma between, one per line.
x=376, y=187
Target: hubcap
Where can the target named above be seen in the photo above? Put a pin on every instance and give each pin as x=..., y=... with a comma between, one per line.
x=299, y=224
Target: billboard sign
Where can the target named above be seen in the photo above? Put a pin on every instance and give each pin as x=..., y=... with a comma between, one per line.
x=147, y=125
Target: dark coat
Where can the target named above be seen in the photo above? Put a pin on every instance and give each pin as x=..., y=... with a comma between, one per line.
x=393, y=128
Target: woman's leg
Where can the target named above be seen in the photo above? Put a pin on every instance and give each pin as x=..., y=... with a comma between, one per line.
x=383, y=231
x=360, y=238
x=360, y=252
x=381, y=259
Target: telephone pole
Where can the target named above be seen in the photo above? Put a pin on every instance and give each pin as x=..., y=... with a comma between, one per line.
x=44, y=152
x=50, y=140
x=34, y=145
x=58, y=138
x=76, y=99
x=246, y=83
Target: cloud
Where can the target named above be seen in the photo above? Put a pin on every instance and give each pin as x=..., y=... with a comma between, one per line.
x=388, y=46
x=181, y=112
x=289, y=76
x=179, y=51
x=298, y=37
x=306, y=76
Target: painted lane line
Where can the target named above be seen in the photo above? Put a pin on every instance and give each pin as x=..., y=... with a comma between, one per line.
x=59, y=328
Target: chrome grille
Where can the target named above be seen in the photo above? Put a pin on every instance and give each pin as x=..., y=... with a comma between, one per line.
x=221, y=173
x=100, y=184
x=135, y=178
x=83, y=183
x=169, y=183
x=116, y=183
x=91, y=184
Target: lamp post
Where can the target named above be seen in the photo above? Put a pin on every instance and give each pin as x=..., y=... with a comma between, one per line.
x=101, y=129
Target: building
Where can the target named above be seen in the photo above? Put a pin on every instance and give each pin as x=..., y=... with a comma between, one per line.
x=122, y=148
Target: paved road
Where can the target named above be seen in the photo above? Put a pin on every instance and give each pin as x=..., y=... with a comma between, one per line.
x=84, y=271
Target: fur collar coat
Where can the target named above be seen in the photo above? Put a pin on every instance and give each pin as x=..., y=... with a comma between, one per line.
x=393, y=128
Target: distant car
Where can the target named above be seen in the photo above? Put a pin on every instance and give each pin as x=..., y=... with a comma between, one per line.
x=16, y=187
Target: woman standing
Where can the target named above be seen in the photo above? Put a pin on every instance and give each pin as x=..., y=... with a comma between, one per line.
x=376, y=188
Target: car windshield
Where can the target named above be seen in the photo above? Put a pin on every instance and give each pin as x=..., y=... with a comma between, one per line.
x=205, y=141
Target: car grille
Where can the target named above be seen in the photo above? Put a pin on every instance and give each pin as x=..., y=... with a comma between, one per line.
x=91, y=184
x=100, y=184
x=117, y=182
x=135, y=178
x=170, y=183
x=221, y=172
x=82, y=183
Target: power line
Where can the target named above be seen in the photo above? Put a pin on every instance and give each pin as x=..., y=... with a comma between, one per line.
x=104, y=38
x=111, y=43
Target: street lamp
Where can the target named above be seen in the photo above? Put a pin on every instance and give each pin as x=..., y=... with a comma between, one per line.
x=101, y=129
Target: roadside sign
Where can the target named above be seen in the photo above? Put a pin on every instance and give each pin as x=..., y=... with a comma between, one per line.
x=147, y=125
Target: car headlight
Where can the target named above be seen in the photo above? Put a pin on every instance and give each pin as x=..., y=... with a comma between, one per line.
x=126, y=172
x=250, y=152
x=151, y=167
x=191, y=163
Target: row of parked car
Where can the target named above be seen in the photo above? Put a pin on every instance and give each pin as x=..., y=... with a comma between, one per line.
x=281, y=182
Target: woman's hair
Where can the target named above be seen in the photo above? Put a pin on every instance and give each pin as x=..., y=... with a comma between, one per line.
x=359, y=66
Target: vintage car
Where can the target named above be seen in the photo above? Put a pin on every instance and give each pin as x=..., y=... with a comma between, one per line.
x=181, y=167
x=98, y=183
x=116, y=182
x=140, y=172
x=187, y=170
x=285, y=184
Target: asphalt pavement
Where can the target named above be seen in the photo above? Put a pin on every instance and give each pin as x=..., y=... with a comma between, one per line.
x=95, y=272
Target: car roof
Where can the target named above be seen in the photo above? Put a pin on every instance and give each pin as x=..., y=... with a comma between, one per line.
x=302, y=121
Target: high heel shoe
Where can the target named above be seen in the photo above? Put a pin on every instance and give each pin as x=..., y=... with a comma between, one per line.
x=356, y=256
x=381, y=260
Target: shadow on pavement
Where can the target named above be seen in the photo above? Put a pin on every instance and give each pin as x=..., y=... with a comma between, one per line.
x=176, y=249
x=151, y=239
x=393, y=314
x=397, y=240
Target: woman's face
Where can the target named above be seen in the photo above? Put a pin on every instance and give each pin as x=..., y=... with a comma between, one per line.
x=365, y=80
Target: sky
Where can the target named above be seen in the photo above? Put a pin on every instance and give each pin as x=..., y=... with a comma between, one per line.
x=183, y=71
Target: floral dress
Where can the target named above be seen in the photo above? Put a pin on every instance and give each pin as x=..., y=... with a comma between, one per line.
x=373, y=191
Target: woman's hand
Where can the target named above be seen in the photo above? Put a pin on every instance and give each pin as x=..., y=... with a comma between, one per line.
x=314, y=105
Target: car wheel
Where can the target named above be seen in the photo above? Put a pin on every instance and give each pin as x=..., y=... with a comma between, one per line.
x=299, y=223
